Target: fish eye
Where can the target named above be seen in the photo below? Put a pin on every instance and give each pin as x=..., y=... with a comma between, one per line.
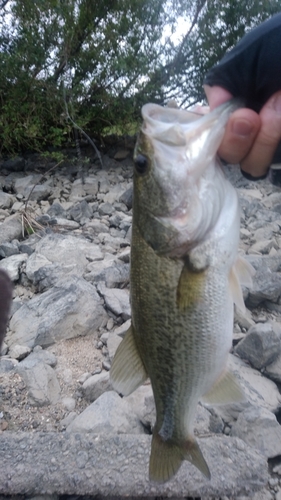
x=141, y=164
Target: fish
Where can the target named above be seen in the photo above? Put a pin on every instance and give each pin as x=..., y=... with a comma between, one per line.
x=185, y=276
x=6, y=294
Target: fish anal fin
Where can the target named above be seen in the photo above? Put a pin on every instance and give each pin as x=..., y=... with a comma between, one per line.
x=127, y=371
x=167, y=456
x=226, y=390
x=236, y=290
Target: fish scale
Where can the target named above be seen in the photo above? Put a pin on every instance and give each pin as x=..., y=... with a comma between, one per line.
x=184, y=280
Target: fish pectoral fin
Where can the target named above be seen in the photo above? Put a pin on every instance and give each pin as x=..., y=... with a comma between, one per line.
x=236, y=290
x=190, y=286
x=226, y=390
x=127, y=371
x=167, y=456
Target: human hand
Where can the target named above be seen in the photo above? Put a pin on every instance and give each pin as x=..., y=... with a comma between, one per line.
x=250, y=138
x=251, y=71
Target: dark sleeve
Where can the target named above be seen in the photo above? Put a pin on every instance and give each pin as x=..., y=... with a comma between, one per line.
x=6, y=292
x=252, y=69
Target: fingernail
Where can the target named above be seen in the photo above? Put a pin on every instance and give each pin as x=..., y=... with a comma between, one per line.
x=276, y=104
x=242, y=128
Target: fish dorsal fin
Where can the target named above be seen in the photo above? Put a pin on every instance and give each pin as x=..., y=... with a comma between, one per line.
x=225, y=390
x=167, y=456
x=127, y=371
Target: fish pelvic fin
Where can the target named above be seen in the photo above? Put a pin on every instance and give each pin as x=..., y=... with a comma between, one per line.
x=245, y=271
x=226, y=390
x=167, y=456
x=127, y=371
x=241, y=274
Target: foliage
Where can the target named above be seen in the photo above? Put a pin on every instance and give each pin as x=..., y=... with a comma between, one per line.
x=110, y=57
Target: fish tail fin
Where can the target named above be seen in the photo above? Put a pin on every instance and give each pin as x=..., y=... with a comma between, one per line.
x=167, y=456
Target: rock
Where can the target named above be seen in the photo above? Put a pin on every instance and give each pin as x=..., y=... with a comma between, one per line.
x=71, y=253
x=7, y=364
x=121, y=330
x=24, y=185
x=142, y=404
x=96, y=227
x=45, y=356
x=6, y=200
x=266, y=287
x=127, y=197
x=81, y=210
x=259, y=391
x=38, y=193
x=11, y=229
x=67, y=420
x=262, y=247
x=106, y=209
x=117, y=301
x=8, y=249
x=16, y=164
x=261, y=346
x=113, y=276
x=19, y=352
x=109, y=414
x=259, y=428
x=103, y=465
x=96, y=385
x=34, y=262
x=68, y=403
x=121, y=154
x=90, y=187
x=112, y=344
x=273, y=371
x=114, y=194
x=41, y=381
x=12, y=265
x=265, y=262
x=48, y=276
x=112, y=244
x=67, y=224
x=243, y=318
x=69, y=309
x=3, y=349
x=24, y=248
x=104, y=186
x=56, y=210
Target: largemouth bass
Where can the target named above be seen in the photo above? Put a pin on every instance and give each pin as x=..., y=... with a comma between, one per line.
x=185, y=277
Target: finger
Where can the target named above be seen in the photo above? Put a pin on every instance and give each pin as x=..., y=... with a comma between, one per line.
x=240, y=133
x=216, y=95
x=259, y=158
x=201, y=110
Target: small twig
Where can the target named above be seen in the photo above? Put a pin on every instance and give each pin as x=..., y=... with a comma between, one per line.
x=79, y=128
x=79, y=156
